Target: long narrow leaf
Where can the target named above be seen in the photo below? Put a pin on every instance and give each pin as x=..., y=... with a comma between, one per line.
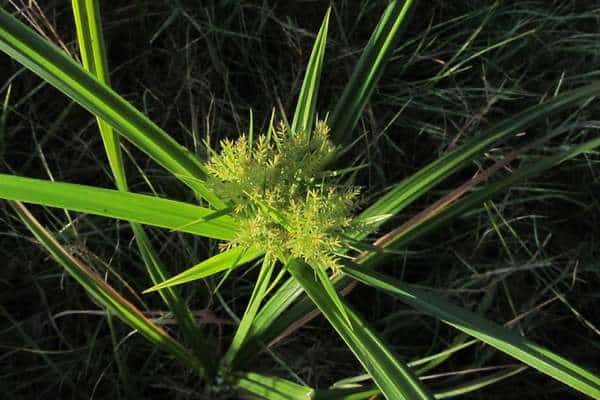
x=394, y=378
x=410, y=189
x=478, y=384
x=370, y=393
x=334, y=296
x=186, y=320
x=272, y=388
x=403, y=237
x=304, y=116
x=260, y=290
x=226, y=260
x=269, y=322
x=116, y=204
x=488, y=332
x=369, y=69
x=93, y=56
x=54, y=66
x=104, y=294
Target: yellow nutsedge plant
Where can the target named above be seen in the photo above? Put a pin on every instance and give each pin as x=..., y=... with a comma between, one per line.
x=273, y=194
x=284, y=201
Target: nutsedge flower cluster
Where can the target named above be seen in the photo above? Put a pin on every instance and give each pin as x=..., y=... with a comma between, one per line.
x=284, y=201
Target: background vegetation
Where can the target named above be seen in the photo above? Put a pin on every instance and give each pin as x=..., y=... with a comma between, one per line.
x=528, y=259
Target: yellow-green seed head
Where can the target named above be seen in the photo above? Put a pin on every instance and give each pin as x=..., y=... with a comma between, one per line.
x=285, y=204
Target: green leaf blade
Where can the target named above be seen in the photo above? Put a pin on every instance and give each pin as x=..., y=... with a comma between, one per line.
x=51, y=64
x=258, y=294
x=88, y=24
x=488, y=332
x=304, y=116
x=369, y=69
x=121, y=205
x=93, y=57
x=104, y=294
x=410, y=189
x=228, y=259
x=272, y=388
x=394, y=378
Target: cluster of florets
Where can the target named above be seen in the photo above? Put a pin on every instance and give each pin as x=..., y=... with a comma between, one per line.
x=284, y=201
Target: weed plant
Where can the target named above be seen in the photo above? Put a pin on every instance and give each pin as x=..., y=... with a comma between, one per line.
x=287, y=203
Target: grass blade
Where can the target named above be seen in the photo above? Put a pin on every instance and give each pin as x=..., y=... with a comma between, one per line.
x=394, y=378
x=54, y=66
x=93, y=56
x=488, y=332
x=478, y=384
x=134, y=207
x=272, y=388
x=269, y=323
x=370, y=393
x=304, y=116
x=228, y=259
x=186, y=321
x=334, y=296
x=410, y=189
x=369, y=69
x=104, y=294
x=258, y=294
x=399, y=238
